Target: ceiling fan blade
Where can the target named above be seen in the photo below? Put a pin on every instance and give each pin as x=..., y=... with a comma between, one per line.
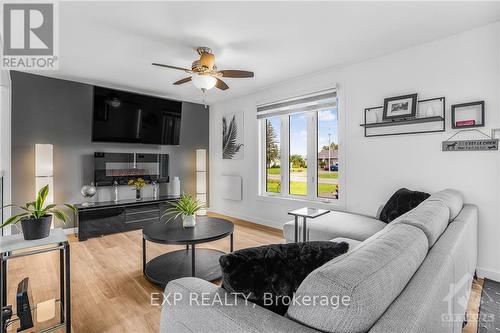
x=221, y=84
x=187, y=79
x=172, y=67
x=235, y=73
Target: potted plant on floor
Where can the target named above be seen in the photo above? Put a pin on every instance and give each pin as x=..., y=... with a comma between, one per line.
x=37, y=218
x=186, y=207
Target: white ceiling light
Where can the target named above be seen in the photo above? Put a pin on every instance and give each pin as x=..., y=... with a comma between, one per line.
x=204, y=82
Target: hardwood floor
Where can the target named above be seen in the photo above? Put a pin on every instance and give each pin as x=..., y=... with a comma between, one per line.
x=109, y=292
x=473, y=308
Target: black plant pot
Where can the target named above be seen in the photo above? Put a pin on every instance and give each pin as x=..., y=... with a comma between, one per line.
x=36, y=228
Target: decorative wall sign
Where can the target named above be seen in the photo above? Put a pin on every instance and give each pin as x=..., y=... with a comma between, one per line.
x=470, y=145
x=488, y=143
x=232, y=136
x=400, y=107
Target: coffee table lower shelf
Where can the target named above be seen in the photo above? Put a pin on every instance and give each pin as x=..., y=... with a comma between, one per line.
x=173, y=265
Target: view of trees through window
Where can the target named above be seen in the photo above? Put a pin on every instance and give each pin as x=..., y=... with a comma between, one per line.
x=300, y=133
x=273, y=167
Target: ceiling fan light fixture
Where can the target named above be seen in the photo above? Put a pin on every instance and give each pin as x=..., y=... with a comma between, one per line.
x=204, y=82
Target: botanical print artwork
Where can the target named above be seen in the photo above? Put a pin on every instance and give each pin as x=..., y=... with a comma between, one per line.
x=232, y=136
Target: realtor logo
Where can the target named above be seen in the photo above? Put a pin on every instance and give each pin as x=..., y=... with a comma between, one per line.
x=29, y=36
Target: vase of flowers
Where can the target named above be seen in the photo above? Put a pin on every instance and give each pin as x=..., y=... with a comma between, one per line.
x=186, y=208
x=138, y=184
x=37, y=217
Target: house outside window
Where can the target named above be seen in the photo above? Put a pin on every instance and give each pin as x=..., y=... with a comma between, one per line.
x=300, y=147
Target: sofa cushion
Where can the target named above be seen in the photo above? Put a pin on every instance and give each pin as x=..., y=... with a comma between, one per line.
x=336, y=224
x=402, y=201
x=275, y=270
x=370, y=278
x=452, y=199
x=431, y=216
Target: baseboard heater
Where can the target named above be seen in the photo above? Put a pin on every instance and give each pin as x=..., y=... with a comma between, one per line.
x=231, y=187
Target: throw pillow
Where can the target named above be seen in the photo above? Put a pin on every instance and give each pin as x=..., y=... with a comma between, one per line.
x=401, y=202
x=275, y=271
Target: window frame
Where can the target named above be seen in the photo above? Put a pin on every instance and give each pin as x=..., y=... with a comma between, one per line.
x=312, y=162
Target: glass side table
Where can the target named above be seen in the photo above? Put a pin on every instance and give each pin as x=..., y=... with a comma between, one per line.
x=15, y=246
x=305, y=213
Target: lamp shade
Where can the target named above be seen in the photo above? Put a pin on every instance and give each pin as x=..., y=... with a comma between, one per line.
x=201, y=182
x=205, y=82
x=44, y=156
x=201, y=178
x=201, y=160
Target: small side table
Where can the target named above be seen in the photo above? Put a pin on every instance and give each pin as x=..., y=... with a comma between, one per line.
x=305, y=213
x=15, y=246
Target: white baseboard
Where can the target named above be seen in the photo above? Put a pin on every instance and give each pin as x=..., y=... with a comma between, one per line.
x=492, y=275
x=70, y=231
x=268, y=223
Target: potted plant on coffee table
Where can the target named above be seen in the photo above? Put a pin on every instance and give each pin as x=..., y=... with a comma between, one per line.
x=37, y=217
x=186, y=207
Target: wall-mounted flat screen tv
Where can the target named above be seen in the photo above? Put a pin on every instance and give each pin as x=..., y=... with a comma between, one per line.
x=121, y=116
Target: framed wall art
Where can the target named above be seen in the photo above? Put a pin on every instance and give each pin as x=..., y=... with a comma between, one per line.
x=467, y=115
x=232, y=136
x=400, y=107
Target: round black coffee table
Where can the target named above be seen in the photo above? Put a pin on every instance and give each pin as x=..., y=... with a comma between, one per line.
x=200, y=263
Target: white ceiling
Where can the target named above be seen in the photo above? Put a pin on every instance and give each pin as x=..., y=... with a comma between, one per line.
x=114, y=43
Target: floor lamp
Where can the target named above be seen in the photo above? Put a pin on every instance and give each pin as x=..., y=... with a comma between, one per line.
x=201, y=179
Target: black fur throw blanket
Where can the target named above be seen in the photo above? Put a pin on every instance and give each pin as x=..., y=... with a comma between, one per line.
x=276, y=269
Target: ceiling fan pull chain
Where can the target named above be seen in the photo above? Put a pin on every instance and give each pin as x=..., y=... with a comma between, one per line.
x=203, y=92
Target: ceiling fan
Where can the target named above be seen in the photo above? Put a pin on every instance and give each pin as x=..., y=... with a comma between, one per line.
x=205, y=73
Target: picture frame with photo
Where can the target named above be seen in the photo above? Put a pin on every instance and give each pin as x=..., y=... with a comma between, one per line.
x=400, y=107
x=467, y=115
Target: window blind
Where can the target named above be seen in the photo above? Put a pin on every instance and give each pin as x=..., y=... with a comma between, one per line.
x=316, y=101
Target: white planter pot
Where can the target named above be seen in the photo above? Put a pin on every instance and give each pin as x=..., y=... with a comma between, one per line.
x=188, y=221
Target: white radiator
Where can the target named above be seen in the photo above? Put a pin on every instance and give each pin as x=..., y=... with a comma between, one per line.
x=231, y=187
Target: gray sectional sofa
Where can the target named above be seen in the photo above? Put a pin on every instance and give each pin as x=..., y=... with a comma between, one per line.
x=411, y=275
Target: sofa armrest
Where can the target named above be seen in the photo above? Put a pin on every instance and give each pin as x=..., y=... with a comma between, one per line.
x=194, y=305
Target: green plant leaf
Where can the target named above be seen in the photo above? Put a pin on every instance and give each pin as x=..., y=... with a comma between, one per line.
x=186, y=205
x=26, y=209
x=13, y=219
x=72, y=207
x=41, y=196
x=49, y=207
x=59, y=215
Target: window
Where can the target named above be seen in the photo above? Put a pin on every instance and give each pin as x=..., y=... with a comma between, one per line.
x=300, y=147
x=273, y=163
x=328, y=158
x=298, y=154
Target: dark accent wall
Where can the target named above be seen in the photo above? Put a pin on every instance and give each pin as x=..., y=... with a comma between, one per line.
x=59, y=112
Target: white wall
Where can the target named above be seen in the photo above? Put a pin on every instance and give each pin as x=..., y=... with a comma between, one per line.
x=463, y=68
